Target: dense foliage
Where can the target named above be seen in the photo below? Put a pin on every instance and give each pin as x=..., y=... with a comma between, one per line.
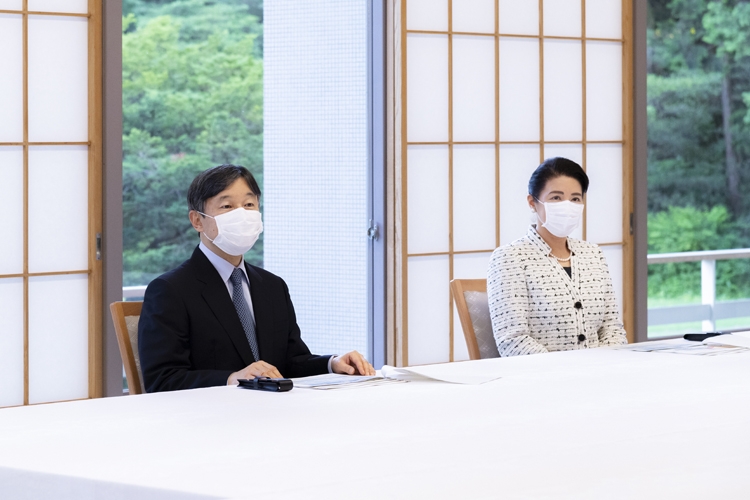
x=192, y=98
x=698, y=140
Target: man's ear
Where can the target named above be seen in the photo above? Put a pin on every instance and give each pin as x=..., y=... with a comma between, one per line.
x=196, y=220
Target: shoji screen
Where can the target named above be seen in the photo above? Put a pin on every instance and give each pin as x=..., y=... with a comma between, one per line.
x=490, y=88
x=49, y=183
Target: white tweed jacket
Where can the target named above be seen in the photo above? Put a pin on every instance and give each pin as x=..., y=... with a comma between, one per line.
x=536, y=307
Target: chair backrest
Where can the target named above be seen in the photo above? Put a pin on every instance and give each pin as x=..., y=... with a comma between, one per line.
x=125, y=316
x=474, y=312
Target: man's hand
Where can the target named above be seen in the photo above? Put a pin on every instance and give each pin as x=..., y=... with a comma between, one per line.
x=257, y=369
x=352, y=363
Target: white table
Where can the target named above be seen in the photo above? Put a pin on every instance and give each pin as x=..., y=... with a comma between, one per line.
x=596, y=424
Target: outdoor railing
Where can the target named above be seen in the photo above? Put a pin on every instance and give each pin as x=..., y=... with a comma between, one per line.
x=709, y=310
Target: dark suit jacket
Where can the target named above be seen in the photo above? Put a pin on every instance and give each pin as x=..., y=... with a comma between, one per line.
x=189, y=333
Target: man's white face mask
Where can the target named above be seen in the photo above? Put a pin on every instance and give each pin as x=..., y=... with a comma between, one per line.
x=563, y=217
x=238, y=230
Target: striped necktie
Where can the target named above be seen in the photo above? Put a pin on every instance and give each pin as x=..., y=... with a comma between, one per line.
x=243, y=311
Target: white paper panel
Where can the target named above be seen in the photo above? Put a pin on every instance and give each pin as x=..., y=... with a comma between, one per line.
x=473, y=197
x=518, y=18
x=11, y=341
x=517, y=163
x=604, y=18
x=572, y=152
x=604, y=217
x=11, y=5
x=429, y=15
x=613, y=254
x=427, y=199
x=471, y=265
x=603, y=91
x=58, y=338
x=519, y=89
x=74, y=6
x=476, y=16
x=427, y=88
x=11, y=78
x=428, y=315
x=58, y=208
x=563, y=89
x=473, y=88
x=58, y=79
x=562, y=17
x=11, y=192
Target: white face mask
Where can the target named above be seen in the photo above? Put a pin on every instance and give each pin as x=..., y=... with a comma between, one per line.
x=238, y=230
x=563, y=217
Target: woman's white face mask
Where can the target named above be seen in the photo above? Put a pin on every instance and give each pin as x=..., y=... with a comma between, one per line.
x=563, y=217
x=239, y=229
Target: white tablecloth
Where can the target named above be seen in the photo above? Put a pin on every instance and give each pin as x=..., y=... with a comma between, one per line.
x=596, y=424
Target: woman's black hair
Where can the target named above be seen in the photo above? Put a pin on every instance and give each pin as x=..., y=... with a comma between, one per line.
x=552, y=168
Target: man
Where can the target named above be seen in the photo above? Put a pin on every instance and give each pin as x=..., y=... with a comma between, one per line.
x=216, y=319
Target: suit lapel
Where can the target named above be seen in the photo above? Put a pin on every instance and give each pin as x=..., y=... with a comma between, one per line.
x=262, y=312
x=216, y=295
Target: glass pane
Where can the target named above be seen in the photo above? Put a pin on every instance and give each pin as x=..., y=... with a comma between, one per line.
x=604, y=18
x=473, y=88
x=11, y=341
x=563, y=89
x=11, y=78
x=519, y=89
x=613, y=254
x=429, y=15
x=473, y=197
x=316, y=165
x=604, y=215
x=11, y=192
x=603, y=91
x=427, y=88
x=58, y=79
x=476, y=16
x=517, y=163
x=428, y=303
x=562, y=18
x=518, y=18
x=427, y=199
x=73, y=6
x=58, y=338
x=58, y=208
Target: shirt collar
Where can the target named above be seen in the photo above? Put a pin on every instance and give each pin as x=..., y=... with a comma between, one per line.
x=224, y=268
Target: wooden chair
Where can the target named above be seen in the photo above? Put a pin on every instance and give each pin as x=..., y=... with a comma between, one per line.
x=474, y=312
x=125, y=316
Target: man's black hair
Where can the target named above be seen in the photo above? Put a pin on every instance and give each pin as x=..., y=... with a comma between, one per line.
x=552, y=168
x=213, y=181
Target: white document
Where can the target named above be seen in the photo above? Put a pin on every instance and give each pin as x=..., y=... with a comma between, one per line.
x=463, y=372
x=736, y=339
x=336, y=381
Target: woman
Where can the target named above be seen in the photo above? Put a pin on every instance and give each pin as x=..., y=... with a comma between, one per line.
x=548, y=291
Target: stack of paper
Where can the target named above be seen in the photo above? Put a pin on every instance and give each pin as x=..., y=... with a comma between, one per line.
x=335, y=381
x=735, y=339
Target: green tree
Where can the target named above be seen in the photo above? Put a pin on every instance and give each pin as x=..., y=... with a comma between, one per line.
x=192, y=98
